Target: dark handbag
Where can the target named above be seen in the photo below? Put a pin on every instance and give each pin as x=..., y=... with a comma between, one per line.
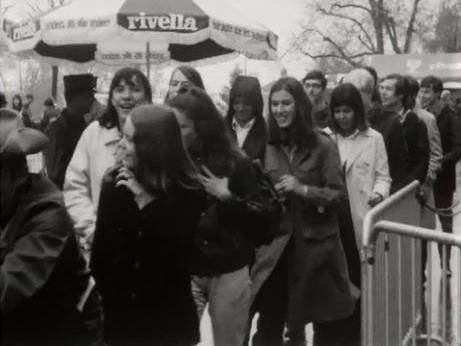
x=268, y=208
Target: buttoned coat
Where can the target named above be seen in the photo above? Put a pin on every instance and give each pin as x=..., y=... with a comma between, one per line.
x=367, y=173
x=318, y=281
x=140, y=261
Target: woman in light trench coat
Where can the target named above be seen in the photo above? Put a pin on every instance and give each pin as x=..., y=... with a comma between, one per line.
x=310, y=277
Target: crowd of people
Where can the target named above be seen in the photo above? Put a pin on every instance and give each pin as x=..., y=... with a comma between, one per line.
x=146, y=213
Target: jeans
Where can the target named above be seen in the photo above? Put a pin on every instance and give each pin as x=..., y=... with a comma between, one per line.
x=228, y=296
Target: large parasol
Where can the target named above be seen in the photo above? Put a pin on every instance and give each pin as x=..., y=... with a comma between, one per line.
x=142, y=31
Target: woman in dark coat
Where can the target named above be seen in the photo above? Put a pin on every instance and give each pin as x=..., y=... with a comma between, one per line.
x=223, y=246
x=46, y=297
x=310, y=277
x=147, y=216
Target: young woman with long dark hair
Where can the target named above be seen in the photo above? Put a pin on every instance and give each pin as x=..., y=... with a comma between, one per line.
x=222, y=248
x=310, y=278
x=147, y=216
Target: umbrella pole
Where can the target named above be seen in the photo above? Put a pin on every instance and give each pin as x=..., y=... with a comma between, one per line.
x=148, y=60
x=54, y=81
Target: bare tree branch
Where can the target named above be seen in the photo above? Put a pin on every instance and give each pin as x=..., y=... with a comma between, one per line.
x=355, y=21
x=376, y=16
x=341, y=6
x=341, y=53
x=337, y=56
x=371, y=48
x=5, y=9
x=410, y=28
x=389, y=23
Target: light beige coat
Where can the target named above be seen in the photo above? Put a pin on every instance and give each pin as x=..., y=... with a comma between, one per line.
x=94, y=154
x=367, y=173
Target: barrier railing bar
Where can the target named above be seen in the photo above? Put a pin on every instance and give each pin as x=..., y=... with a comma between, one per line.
x=411, y=231
x=367, y=270
x=399, y=282
x=374, y=213
x=444, y=294
x=429, y=293
x=386, y=287
x=368, y=254
x=413, y=290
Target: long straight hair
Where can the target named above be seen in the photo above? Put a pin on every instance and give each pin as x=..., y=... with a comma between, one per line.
x=213, y=143
x=301, y=131
x=162, y=161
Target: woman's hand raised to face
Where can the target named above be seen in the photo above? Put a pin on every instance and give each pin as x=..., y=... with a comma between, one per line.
x=125, y=177
x=215, y=186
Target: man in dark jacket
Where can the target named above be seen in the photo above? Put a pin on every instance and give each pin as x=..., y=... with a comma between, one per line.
x=450, y=135
x=65, y=132
x=245, y=116
x=46, y=294
x=396, y=97
x=405, y=136
x=388, y=124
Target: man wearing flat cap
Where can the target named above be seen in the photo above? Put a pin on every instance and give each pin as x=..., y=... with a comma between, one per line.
x=46, y=294
x=65, y=132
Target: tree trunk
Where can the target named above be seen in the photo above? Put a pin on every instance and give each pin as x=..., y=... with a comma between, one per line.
x=410, y=28
x=377, y=17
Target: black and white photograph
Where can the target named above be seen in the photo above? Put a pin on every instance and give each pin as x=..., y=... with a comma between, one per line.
x=230, y=172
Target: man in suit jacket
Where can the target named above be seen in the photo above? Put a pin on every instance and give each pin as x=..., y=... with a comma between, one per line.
x=450, y=135
x=395, y=96
x=245, y=116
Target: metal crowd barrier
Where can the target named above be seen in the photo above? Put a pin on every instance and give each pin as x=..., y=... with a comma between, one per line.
x=398, y=305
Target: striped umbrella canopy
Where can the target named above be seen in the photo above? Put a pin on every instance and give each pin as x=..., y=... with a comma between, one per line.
x=133, y=31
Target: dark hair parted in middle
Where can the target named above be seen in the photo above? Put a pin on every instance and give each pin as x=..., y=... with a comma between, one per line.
x=17, y=107
x=348, y=95
x=301, y=131
x=129, y=75
x=162, y=161
x=213, y=141
x=250, y=88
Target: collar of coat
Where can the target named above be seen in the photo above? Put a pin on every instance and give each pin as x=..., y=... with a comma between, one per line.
x=362, y=143
x=110, y=136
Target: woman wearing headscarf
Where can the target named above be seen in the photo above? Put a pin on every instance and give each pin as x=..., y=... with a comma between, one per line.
x=222, y=249
x=46, y=296
x=309, y=274
x=183, y=76
x=245, y=116
x=96, y=150
x=147, y=216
